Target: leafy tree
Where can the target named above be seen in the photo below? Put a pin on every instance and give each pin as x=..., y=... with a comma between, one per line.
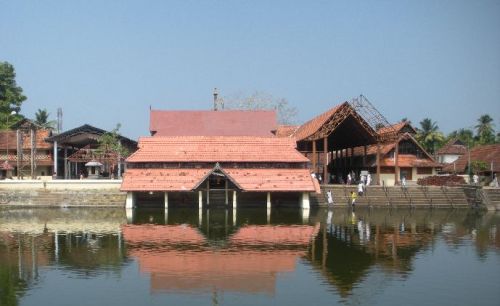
x=11, y=96
x=485, y=130
x=429, y=135
x=110, y=142
x=478, y=166
x=262, y=101
x=42, y=119
x=464, y=135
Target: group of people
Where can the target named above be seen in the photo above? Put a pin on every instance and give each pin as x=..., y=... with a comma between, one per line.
x=365, y=180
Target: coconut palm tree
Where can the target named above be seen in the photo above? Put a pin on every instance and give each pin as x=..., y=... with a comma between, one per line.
x=429, y=135
x=485, y=130
x=42, y=119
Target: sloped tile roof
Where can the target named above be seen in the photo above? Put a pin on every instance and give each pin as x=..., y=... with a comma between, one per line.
x=488, y=154
x=313, y=125
x=216, y=149
x=162, y=179
x=408, y=160
x=213, y=123
x=397, y=127
x=188, y=179
x=272, y=179
x=454, y=147
x=286, y=130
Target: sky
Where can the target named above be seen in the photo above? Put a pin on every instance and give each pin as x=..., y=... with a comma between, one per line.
x=107, y=62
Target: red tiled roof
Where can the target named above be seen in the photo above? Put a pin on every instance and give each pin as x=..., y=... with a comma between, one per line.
x=408, y=160
x=286, y=130
x=397, y=127
x=216, y=149
x=488, y=154
x=213, y=123
x=162, y=234
x=313, y=125
x=272, y=179
x=162, y=179
x=453, y=147
x=265, y=234
x=188, y=179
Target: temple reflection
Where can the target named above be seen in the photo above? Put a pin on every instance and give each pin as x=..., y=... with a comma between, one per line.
x=187, y=252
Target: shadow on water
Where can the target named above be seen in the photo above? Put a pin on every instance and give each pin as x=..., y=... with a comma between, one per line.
x=218, y=250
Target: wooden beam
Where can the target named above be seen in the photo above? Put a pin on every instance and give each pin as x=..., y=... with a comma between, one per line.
x=378, y=163
x=325, y=166
x=314, y=156
x=396, y=163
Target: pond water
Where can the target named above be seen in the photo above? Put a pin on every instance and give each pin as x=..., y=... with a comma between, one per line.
x=89, y=256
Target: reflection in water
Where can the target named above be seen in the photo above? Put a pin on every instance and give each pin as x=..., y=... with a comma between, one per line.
x=217, y=253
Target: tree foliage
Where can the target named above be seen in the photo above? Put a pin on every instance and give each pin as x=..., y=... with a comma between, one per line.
x=485, y=130
x=11, y=96
x=110, y=142
x=286, y=113
x=464, y=135
x=42, y=119
x=429, y=135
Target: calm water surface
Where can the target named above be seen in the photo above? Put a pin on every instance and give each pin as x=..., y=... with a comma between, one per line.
x=367, y=257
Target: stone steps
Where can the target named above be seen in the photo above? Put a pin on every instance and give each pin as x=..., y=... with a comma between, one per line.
x=396, y=196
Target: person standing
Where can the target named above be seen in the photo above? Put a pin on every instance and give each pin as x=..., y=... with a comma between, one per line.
x=349, y=179
x=360, y=188
x=403, y=182
x=368, y=179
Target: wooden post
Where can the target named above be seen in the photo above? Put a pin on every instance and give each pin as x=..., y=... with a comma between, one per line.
x=65, y=163
x=55, y=158
x=364, y=156
x=33, y=153
x=314, y=156
x=396, y=163
x=378, y=163
x=325, y=166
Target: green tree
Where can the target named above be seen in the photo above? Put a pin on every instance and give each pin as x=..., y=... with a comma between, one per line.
x=263, y=101
x=485, y=130
x=11, y=96
x=110, y=142
x=42, y=119
x=464, y=135
x=429, y=135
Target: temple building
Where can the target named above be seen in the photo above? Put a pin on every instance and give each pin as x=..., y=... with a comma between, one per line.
x=343, y=141
x=451, y=151
x=211, y=170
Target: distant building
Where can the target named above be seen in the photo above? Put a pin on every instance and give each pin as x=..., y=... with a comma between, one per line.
x=489, y=155
x=451, y=151
x=24, y=151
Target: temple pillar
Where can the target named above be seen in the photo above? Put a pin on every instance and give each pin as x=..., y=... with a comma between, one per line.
x=305, y=200
x=268, y=207
x=130, y=201
x=234, y=207
x=200, y=199
x=55, y=159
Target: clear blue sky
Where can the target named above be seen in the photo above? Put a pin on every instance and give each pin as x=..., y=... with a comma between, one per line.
x=105, y=62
